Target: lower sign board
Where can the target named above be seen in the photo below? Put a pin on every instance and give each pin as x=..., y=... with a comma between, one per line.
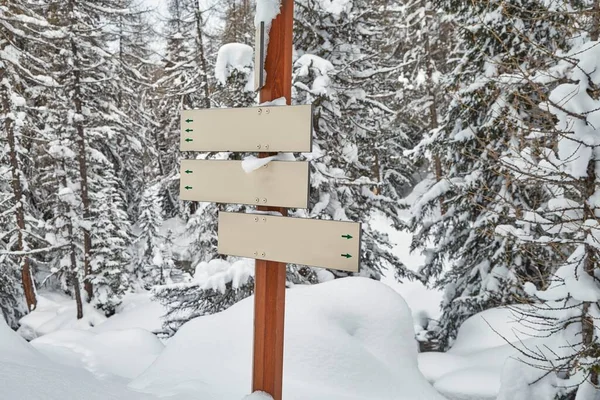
x=279, y=183
x=313, y=242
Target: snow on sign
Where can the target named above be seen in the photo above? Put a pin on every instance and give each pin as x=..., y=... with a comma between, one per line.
x=279, y=183
x=317, y=243
x=256, y=129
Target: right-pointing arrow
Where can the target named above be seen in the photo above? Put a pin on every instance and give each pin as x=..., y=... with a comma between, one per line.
x=346, y=255
x=347, y=237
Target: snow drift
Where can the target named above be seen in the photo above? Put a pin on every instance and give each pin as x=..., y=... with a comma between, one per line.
x=345, y=339
x=25, y=374
x=472, y=368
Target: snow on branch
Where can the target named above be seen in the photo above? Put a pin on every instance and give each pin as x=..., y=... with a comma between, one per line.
x=235, y=57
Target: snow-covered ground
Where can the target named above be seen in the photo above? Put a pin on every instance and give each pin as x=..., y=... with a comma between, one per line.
x=473, y=368
x=26, y=374
x=347, y=339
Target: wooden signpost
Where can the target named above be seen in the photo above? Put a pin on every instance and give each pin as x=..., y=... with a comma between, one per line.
x=271, y=240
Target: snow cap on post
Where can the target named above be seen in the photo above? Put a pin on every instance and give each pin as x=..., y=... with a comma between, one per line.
x=266, y=11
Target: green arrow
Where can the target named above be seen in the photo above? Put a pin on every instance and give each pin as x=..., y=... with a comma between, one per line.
x=189, y=140
x=189, y=172
x=188, y=188
x=347, y=237
x=189, y=120
x=188, y=130
x=346, y=255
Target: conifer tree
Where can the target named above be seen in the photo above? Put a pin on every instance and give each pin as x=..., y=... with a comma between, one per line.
x=22, y=79
x=183, y=84
x=190, y=300
x=563, y=160
x=149, y=239
x=493, y=109
x=92, y=126
x=343, y=71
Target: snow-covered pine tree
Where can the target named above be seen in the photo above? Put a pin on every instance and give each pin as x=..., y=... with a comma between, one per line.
x=182, y=84
x=421, y=46
x=233, y=72
x=565, y=162
x=90, y=125
x=134, y=151
x=149, y=257
x=238, y=21
x=22, y=81
x=345, y=73
x=500, y=46
x=112, y=261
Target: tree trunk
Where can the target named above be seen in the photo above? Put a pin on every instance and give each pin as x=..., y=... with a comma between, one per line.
x=204, y=72
x=591, y=260
x=82, y=160
x=201, y=54
x=595, y=31
x=433, y=115
x=24, y=262
x=72, y=276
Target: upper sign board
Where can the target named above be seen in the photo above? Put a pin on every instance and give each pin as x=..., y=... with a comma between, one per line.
x=279, y=183
x=256, y=129
x=318, y=243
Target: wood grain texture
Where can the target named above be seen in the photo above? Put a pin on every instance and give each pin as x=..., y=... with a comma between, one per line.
x=269, y=289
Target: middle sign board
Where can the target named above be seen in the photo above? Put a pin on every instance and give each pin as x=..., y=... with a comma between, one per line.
x=256, y=129
x=279, y=183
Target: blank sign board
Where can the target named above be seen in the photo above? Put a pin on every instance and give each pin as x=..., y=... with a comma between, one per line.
x=257, y=129
x=318, y=243
x=279, y=183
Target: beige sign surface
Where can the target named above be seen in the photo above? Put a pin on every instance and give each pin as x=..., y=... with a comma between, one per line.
x=256, y=129
x=279, y=183
x=318, y=243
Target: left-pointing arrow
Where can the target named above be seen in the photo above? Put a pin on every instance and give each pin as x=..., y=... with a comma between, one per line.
x=189, y=140
x=188, y=188
x=189, y=120
x=189, y=171
x=188, y=130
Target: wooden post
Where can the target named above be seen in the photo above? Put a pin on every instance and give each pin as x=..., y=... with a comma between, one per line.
x=269, y=287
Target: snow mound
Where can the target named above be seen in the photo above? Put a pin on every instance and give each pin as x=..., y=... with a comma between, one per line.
x=470, y=384
x=491, y=328
x=258, y=396
x=472, y=368
x=345, y=339
x=26, y=374
x=136, y=311
x=55, y=312
x=122, y=353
